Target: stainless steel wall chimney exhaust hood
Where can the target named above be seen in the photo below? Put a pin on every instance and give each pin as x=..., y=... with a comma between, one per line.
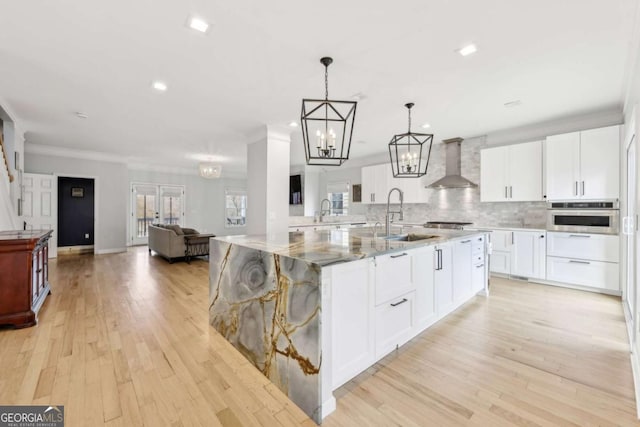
x=452, y=177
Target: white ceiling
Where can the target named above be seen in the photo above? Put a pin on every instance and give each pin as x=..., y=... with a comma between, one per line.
x=260, y=58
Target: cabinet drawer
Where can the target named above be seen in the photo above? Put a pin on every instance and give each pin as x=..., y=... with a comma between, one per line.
x=394, y=323
x=595, y=247
x=394, y=276
x=477, y=277
x=595, y=274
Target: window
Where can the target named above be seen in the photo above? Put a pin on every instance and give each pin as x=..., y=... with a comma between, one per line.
x=338, y=195
x=235, y=208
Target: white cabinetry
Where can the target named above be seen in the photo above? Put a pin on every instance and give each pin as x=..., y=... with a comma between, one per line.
x=423, y=269
x=511, y=173
x=519, y=253
x=583, y=165
x=394, y=275
x=375, y=183
x=352, y=319
x=478, y=264
x=378, y=180
x=528, y=256
x=501, y=254
x=462, y=269
x=443, y=278
x=394, y=323
x=584, y=259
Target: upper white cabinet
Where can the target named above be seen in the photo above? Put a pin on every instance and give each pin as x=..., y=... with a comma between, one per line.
x=378, y=180
x=583, y=165
x=374, y=183
x=512, y=173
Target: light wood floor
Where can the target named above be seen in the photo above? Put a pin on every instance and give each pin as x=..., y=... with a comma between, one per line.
x=124, y=341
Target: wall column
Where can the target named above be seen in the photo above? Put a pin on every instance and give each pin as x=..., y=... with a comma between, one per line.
x=268, y=182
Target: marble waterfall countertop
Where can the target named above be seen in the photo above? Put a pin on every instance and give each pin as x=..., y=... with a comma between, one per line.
x=326, y=247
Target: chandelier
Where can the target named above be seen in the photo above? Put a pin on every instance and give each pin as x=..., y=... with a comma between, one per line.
x=210, y=170
x=327, y=126
x=409, y=158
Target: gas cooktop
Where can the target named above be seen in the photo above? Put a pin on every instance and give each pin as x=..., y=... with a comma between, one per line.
x=447, y=224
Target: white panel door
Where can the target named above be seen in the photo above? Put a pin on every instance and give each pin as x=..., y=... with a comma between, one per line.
x=423, y=259
x=443, y=278
x=493, y=178
x=40, y=206
x=352, y=320
x=525, y=172
x=600, y=163
x=562, y=166
x=629, y=230
x=462, y=269
x=528, y=254
x=383, y=177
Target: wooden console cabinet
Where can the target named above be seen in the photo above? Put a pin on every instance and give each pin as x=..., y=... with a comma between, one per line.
x=24, y=276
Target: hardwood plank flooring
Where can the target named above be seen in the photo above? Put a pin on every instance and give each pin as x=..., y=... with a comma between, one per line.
x=124, y=340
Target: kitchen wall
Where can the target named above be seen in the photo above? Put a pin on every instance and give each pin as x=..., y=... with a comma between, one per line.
x=463, y=204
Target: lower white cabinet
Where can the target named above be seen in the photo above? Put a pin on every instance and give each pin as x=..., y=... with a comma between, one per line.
x=595, y=274
x=528, y=257
x=394, y=323
x=378, y=304
x=393, y=275
x=462, y=269
x=352, y=319
x=423, y=270
x=519, y=253
x=596, y=247
x=584, y=259
x=443, y=278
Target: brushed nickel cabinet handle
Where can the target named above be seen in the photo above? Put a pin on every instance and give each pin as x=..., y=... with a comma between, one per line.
x=399, y=302
x=510, y=192
x=572, y=261
x=581, y=236
x=583, y=188
x=398, y=256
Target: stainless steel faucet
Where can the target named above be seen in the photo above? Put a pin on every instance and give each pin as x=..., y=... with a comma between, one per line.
x=324, y=212
x=389, y=217
x=375, y=229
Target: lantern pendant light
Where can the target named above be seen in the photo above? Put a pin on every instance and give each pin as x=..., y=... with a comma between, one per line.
x=408, y=154
x=327, y=126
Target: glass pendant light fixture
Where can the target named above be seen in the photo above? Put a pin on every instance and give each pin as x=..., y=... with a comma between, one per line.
x=327, y=126
x=408, y=154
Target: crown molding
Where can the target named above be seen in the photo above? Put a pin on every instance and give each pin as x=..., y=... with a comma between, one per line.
x=51, y=150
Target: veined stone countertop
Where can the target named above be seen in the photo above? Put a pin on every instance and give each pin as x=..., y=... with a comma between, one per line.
x=327, y=247
x=507, y=227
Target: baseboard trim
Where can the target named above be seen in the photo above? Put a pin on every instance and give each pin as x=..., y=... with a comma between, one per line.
x=328, y=406
x=110, y=251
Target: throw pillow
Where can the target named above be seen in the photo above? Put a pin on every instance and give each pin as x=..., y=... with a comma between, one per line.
x=188, y=231
x=176, y=229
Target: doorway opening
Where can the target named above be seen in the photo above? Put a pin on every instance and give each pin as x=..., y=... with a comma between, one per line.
x=76, y=215
x=154, y=204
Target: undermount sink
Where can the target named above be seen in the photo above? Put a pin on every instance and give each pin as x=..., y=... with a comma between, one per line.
x=411, y=237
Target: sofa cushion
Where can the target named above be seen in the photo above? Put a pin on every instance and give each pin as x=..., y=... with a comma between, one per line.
x=188, y=231
x=176, y=229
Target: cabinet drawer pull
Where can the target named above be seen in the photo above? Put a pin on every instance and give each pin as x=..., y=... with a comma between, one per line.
x=480, y=266
x=582, y=236
x=399, y=302
x=39, y=270
x=466, y=241
x=398, y=256
x=578, y=262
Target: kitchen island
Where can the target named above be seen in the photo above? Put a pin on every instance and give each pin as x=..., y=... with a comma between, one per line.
x=311, y=310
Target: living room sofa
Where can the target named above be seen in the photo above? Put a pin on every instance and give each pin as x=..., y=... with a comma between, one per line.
x=168, y=241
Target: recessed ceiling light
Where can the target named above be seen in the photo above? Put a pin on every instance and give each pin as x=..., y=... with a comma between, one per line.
x=358, y=96
x=468, y=50
x=81, y=115
x=198, y=24
x=426, y=126
x=293, y=124
x=160, y=86
x=512, y=104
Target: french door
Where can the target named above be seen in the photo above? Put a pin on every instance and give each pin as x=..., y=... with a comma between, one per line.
x=154, y=204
